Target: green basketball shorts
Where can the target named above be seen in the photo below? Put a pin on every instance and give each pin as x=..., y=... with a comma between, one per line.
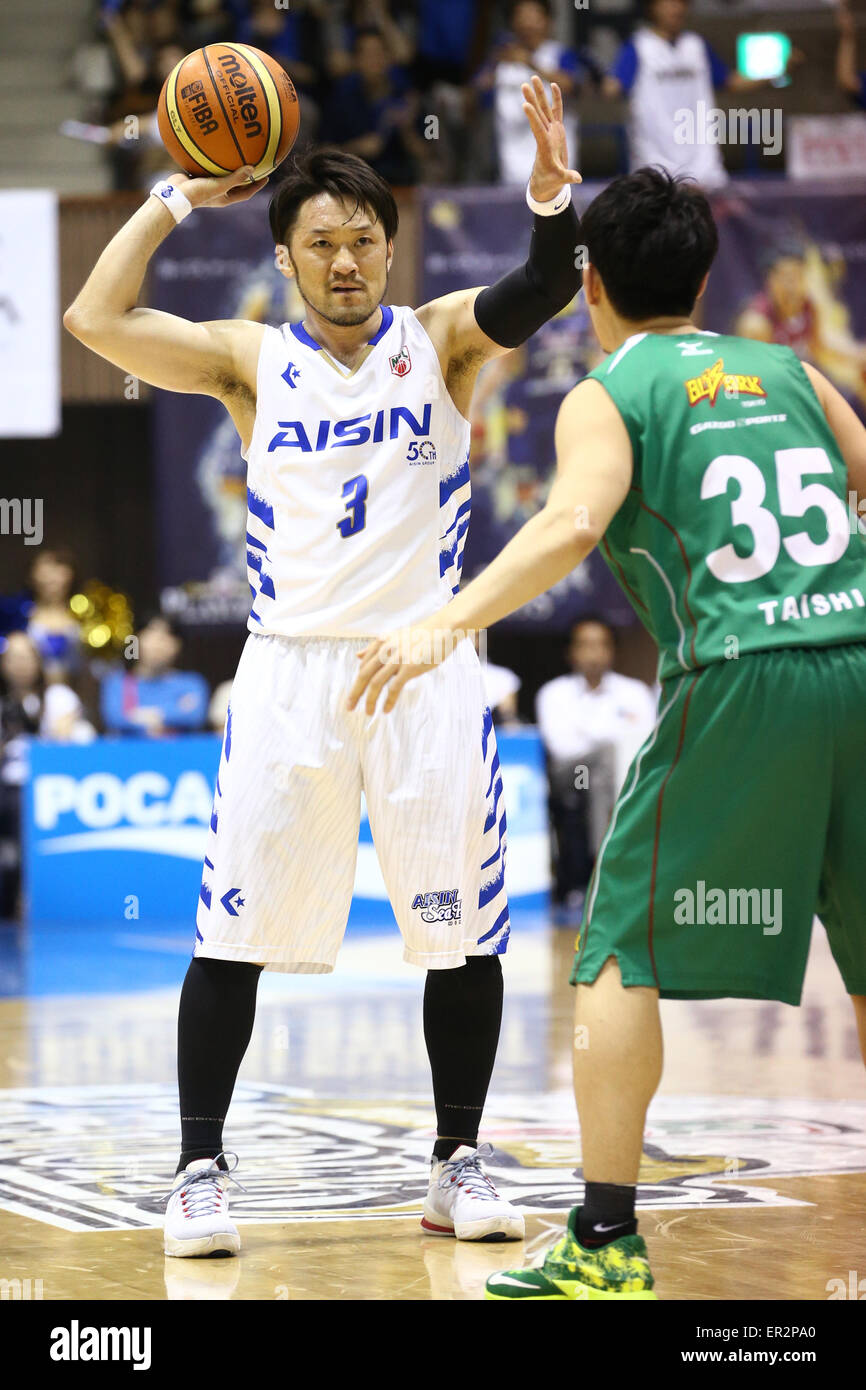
x=741, y=818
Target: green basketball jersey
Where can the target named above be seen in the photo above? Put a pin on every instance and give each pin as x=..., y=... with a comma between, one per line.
x=736, y=534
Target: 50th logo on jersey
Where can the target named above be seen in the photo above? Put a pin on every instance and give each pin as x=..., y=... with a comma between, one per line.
x=401, y=362
x=443, y=906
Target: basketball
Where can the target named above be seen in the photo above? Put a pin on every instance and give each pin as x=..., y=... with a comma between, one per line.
x=227, y=105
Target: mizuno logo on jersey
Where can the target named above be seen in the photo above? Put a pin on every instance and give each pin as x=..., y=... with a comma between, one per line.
x=346, y=434
x=707, y=386
x=438, y=907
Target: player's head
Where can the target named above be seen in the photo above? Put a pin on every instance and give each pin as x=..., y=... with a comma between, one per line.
x=650, y=240
x=529, y=21
x=591, y=648
x=334, y=220
x=669, y=16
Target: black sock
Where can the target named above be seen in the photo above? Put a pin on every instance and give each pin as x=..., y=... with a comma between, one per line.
x=607, y=1213
x=462, y=1017
x=214, y=1026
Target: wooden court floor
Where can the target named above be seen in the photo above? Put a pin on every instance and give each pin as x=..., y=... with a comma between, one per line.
x=753, y=1186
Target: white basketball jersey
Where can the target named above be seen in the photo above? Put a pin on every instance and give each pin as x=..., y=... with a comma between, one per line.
x=357, y=485
x=672, y=78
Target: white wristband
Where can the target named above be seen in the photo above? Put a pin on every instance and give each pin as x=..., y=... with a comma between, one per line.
x=172, y=198
x=556, y=205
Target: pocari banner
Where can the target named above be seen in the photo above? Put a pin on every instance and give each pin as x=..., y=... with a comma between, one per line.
x=116, y=830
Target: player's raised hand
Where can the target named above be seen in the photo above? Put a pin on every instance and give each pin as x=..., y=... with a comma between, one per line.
x=219, y=193
x=550, y=170
x=393, y=661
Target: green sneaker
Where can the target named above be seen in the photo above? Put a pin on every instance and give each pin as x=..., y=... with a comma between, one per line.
x=616, y=1271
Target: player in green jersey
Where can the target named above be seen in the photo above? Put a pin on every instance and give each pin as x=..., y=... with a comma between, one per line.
x=721, y=478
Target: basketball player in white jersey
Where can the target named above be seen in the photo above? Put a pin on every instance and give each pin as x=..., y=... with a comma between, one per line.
x=354, y=427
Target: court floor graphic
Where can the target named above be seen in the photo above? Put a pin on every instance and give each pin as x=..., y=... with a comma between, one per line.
x=753, y=1182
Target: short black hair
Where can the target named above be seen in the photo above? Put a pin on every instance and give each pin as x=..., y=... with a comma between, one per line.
x=652, y=238
x=364, y=31
x=597, y=618
x=155, y=615
x=327, y=169
x=542, y=4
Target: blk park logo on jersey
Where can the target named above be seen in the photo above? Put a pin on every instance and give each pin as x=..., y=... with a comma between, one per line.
x=707, y=386
x=443, y=906
x=401, y=362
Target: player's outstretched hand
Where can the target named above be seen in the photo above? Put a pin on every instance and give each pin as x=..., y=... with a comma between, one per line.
x=550, y=170
x=393, y=661
x=219, y=193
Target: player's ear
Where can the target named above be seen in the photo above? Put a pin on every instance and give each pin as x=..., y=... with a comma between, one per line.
x=389, y=255
x=591, y=284
x=700, y=292
x=282, y=261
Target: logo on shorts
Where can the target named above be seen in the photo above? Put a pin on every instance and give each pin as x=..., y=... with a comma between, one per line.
x=438, y=907
x=232, y=907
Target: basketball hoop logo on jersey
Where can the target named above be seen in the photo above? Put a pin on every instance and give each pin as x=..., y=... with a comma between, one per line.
x=401, y=362
x=438, y=907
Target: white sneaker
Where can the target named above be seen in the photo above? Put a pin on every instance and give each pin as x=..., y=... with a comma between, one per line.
x=197, y=1215
x=462, y=1201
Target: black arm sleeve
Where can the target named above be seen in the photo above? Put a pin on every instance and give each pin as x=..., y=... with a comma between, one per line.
x=513, y=309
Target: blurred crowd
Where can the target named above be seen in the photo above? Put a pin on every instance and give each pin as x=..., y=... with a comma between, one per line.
x=58, y=687
x=428, y=91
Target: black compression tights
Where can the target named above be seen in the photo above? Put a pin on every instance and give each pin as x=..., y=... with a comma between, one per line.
x=462, y=1018
x=214, y=1026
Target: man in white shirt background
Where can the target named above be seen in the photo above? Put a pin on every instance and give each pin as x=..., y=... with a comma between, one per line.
x=591, y=722
x=527, y=47
x=665, y=69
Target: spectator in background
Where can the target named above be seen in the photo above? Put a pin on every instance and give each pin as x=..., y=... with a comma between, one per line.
x=343, y=23
x=372, y=112
x=527, y=49
x=51, y=624
x=452, y=37
x=154, y=698
x=591, y=723
x=217, y=710
x=29, y=707
x=449, y=32
x=665, y=69
x=206, y=21
x=292, y=35
x=849, y=78
x=501, y=688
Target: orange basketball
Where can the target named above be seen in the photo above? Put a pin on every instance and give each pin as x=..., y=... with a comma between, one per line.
x=227, y=105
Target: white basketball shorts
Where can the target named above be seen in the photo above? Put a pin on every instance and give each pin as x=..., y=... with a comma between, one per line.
x=280, y=864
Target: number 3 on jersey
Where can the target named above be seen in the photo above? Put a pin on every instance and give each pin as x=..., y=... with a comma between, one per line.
x=354, y=495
